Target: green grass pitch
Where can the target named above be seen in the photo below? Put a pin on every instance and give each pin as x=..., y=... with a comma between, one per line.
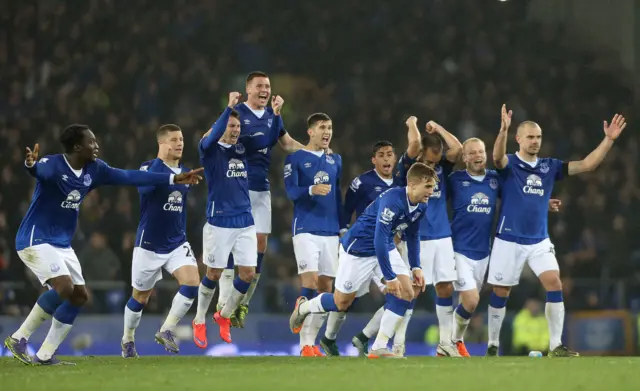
x=309, y=374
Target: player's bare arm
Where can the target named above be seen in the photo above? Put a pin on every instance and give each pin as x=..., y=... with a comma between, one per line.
x=454, y=151
x=500, y=159
x=592, y=161
x=32, y=156
x=413, y=137
x=286, y=141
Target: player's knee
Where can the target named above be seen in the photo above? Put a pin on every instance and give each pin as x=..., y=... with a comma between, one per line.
x=470, y=300
x=444, y=289
x=262, y=242
x=343, y=303
x=502, y=291
x=552, y=283
x=63, y=286
x=79, y=296
x=214, y=274
x=141, y=297
x=246, y=274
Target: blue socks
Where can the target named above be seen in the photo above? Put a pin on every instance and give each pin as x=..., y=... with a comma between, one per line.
x=49, y=301
x=66, y=312
x=190, y=292
x=241, y=286
x=497, y=302
x=208, y=283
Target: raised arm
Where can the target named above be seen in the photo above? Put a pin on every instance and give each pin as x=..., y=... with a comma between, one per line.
x=413, y=138
x=593, y=160
x=454, y=151
x=38, y=169
x=500, y=159
x=284, y=139
x=115, y=176
x=216, y=132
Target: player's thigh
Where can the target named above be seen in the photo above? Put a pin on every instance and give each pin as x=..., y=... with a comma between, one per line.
x=542, y=257
x=261, y=210
x=45, y=261
x=354, y=273
x=182, y=265
x=505, y=263
x=146, y=268
x=427, y=260
x=307, y=249
x=470, y=272
x=245, y=248
x=328, y=260
x=378, y=278
x=217, y=243
x=444, y=263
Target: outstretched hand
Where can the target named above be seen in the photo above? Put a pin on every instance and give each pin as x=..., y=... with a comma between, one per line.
x=188, y=178
x=613, y=130
x=32, y=156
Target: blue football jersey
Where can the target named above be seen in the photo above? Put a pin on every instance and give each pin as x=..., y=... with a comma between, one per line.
x=225, y=168
x=436, y=225
x=259, y=135
x=473, y=203
x=372, y=233
x=163, y=212
x=364, y=190
x=314, y=214
x=526, y=191
x=53, y=213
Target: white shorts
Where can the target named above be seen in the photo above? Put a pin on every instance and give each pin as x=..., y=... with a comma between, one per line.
x=470, y=273
x=355, y=273
x=146, y=267
x=377, y=278
x=219, y=242
x=261, y=210
x=47, y=262
x=508, y=259
x=316, y=253
x=437, y=260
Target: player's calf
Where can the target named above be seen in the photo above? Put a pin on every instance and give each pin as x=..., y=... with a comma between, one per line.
x=240, y=286
x=554, y=312
x=496, y=314
x=132, y=316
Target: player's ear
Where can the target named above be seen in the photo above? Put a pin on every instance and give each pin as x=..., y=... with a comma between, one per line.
x=373, y=160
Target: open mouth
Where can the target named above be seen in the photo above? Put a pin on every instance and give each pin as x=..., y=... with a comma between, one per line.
x=95, y=154
x=325, y=139
x=386, y=166
x=263, y=96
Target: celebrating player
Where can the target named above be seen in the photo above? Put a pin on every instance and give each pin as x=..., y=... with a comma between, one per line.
x=312, y=180
x=369, y=243
x=436, y=248
x=364, y=189
x=522, y=236
x=44, y=238
x=161, y=242
x=261, y=128
x=230, y=226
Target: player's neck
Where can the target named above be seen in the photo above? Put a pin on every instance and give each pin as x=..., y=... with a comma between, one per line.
x=477, y=173
x=74, y=161
x=383, y=176
x=313, y=147
x=527, y=157
x=175, y=163
x=254, y=106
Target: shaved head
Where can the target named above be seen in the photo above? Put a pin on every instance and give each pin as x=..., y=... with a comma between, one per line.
x=529, y=137
x=526, y=125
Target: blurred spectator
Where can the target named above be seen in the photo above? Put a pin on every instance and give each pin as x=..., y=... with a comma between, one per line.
x=530, y=330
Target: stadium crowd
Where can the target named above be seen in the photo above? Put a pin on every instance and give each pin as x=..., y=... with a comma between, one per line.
x=125, y=68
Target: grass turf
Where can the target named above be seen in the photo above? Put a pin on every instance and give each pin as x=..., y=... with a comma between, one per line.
x=308, y=374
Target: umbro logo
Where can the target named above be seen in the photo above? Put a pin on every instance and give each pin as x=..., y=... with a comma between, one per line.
x=65, y=177
x=247, y=122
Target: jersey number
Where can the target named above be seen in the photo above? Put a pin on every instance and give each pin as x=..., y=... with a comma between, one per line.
x=188, y=251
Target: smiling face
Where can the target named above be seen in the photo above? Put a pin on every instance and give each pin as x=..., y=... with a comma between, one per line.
x=258, y=92
x=474, y=156
x=384, y=160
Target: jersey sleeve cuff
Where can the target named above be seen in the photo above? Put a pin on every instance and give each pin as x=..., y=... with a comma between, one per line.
x=171, y=178
x=310, y=190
